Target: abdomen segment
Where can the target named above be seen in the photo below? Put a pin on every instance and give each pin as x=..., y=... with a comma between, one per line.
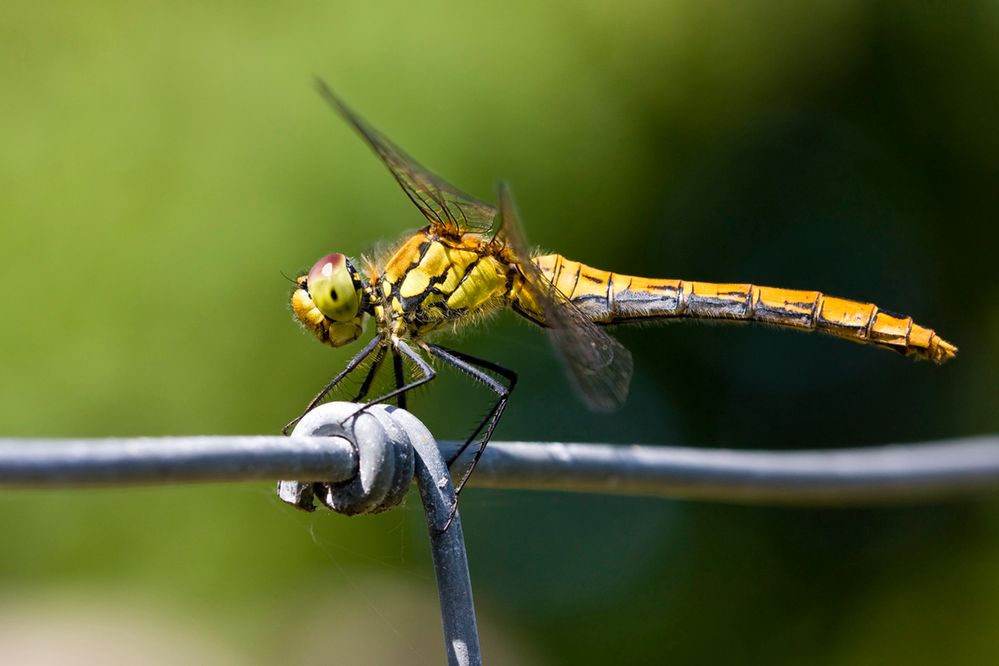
x=610, y=298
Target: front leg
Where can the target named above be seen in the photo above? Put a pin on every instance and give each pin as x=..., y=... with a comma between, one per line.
x=359, y=358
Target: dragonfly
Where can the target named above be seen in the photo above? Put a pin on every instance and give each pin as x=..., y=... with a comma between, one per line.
x=472, y=259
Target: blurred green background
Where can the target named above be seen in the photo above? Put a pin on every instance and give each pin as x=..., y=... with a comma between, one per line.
x=163, y=163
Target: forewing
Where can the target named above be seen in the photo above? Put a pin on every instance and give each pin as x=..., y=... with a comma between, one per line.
x=599, y=365
x=440, y=202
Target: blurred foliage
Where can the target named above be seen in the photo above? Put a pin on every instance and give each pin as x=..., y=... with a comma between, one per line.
x=164, y=163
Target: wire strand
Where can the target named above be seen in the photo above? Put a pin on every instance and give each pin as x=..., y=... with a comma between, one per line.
x=909, y=472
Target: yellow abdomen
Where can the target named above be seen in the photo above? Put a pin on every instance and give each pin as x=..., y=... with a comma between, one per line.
x=610, y=298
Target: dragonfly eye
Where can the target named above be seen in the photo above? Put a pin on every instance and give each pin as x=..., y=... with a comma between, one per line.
x=332, y=288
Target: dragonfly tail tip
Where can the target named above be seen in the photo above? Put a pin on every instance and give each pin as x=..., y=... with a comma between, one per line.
x=942, y=351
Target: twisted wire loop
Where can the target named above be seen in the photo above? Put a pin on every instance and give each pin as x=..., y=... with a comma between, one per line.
x=392, y=447
x=384, y=456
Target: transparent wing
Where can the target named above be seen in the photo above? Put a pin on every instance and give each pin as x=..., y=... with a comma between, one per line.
x=444, y=205
x=599, y=365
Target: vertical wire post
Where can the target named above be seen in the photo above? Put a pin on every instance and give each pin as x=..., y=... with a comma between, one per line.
x=454, y=584
x=386, y=439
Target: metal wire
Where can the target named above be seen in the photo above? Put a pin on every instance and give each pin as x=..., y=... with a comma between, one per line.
x=447, y=545
x=393, y=447
x=845, y=476
x=356, y=456
x=47, y=463
x=883, y=474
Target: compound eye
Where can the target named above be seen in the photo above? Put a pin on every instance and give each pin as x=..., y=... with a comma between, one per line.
x=332, y=289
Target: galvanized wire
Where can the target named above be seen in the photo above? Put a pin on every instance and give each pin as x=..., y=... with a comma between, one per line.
x=46, y=463
x=907, y=472
x=447, y=546
x=393, y=447
x=929, y=471
x=895, y=473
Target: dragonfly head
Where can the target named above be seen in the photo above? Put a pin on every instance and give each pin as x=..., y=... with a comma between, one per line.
x=328, y=300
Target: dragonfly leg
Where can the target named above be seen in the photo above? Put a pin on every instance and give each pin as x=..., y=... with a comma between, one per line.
x=354, y=362
x=473, y=367
x=400, y=379
x=372, y=372
x=427, y=374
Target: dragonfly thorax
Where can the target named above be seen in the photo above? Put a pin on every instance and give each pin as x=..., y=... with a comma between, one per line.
x=433, y=281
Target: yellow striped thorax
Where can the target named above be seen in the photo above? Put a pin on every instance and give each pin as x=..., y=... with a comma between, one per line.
x=432, y=281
